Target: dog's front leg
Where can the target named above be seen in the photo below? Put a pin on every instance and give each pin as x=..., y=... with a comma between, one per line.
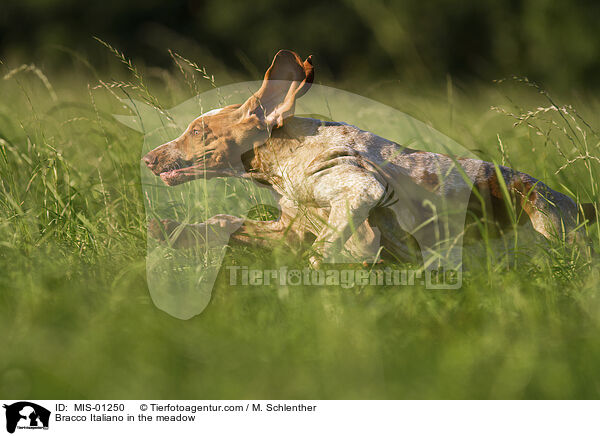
x=220, y=229
x=351, y=193
x=213, y=232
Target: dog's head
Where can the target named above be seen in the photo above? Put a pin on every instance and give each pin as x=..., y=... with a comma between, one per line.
x=213, y=143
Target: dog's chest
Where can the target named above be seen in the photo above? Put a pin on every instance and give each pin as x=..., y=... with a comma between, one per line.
x=306, y=149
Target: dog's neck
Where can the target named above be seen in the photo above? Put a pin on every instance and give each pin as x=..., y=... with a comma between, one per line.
x=264, y=161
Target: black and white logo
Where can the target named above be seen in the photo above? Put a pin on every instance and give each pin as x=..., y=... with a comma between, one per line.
x=26, y=415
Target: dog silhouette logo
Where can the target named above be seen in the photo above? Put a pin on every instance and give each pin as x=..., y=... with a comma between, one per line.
x=181, y=276
x=26, y=415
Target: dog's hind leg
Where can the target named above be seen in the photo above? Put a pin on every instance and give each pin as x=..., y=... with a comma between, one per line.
x=553, y=214
x=397, y=244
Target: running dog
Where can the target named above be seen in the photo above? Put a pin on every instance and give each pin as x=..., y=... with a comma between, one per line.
x=341, y=187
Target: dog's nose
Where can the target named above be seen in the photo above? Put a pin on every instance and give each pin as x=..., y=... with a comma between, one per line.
x=150, y=160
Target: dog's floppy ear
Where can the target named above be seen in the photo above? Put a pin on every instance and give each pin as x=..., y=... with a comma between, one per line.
x=287, y=79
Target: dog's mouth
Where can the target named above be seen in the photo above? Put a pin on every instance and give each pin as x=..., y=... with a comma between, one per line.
x=181, y=175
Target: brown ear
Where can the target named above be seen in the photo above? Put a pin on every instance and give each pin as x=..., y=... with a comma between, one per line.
x=287, y=79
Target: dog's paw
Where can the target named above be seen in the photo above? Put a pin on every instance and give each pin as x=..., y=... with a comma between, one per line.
x=225, y=224
x=366, y=264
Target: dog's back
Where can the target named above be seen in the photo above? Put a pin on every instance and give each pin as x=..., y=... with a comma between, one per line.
x=305, y=147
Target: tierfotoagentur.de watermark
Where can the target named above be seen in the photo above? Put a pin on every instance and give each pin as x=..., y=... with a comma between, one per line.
x=345, y=278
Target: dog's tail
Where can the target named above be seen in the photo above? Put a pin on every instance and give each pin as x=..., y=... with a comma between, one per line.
x=587, y=211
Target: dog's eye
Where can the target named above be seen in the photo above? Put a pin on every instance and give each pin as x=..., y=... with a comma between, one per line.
x=196, y=132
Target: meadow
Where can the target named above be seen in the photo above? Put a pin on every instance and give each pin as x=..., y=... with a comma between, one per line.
x=76, y=316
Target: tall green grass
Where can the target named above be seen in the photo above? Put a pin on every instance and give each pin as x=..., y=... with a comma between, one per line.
x=77, y=320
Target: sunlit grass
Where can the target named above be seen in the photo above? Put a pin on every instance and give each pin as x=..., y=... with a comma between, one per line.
x=78, y=321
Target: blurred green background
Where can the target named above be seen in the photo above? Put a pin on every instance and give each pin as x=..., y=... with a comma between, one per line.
x=76, y=317
x=557, y=43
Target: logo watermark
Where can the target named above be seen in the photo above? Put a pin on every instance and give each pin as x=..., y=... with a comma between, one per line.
x=203, y=211
x=24, y=415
